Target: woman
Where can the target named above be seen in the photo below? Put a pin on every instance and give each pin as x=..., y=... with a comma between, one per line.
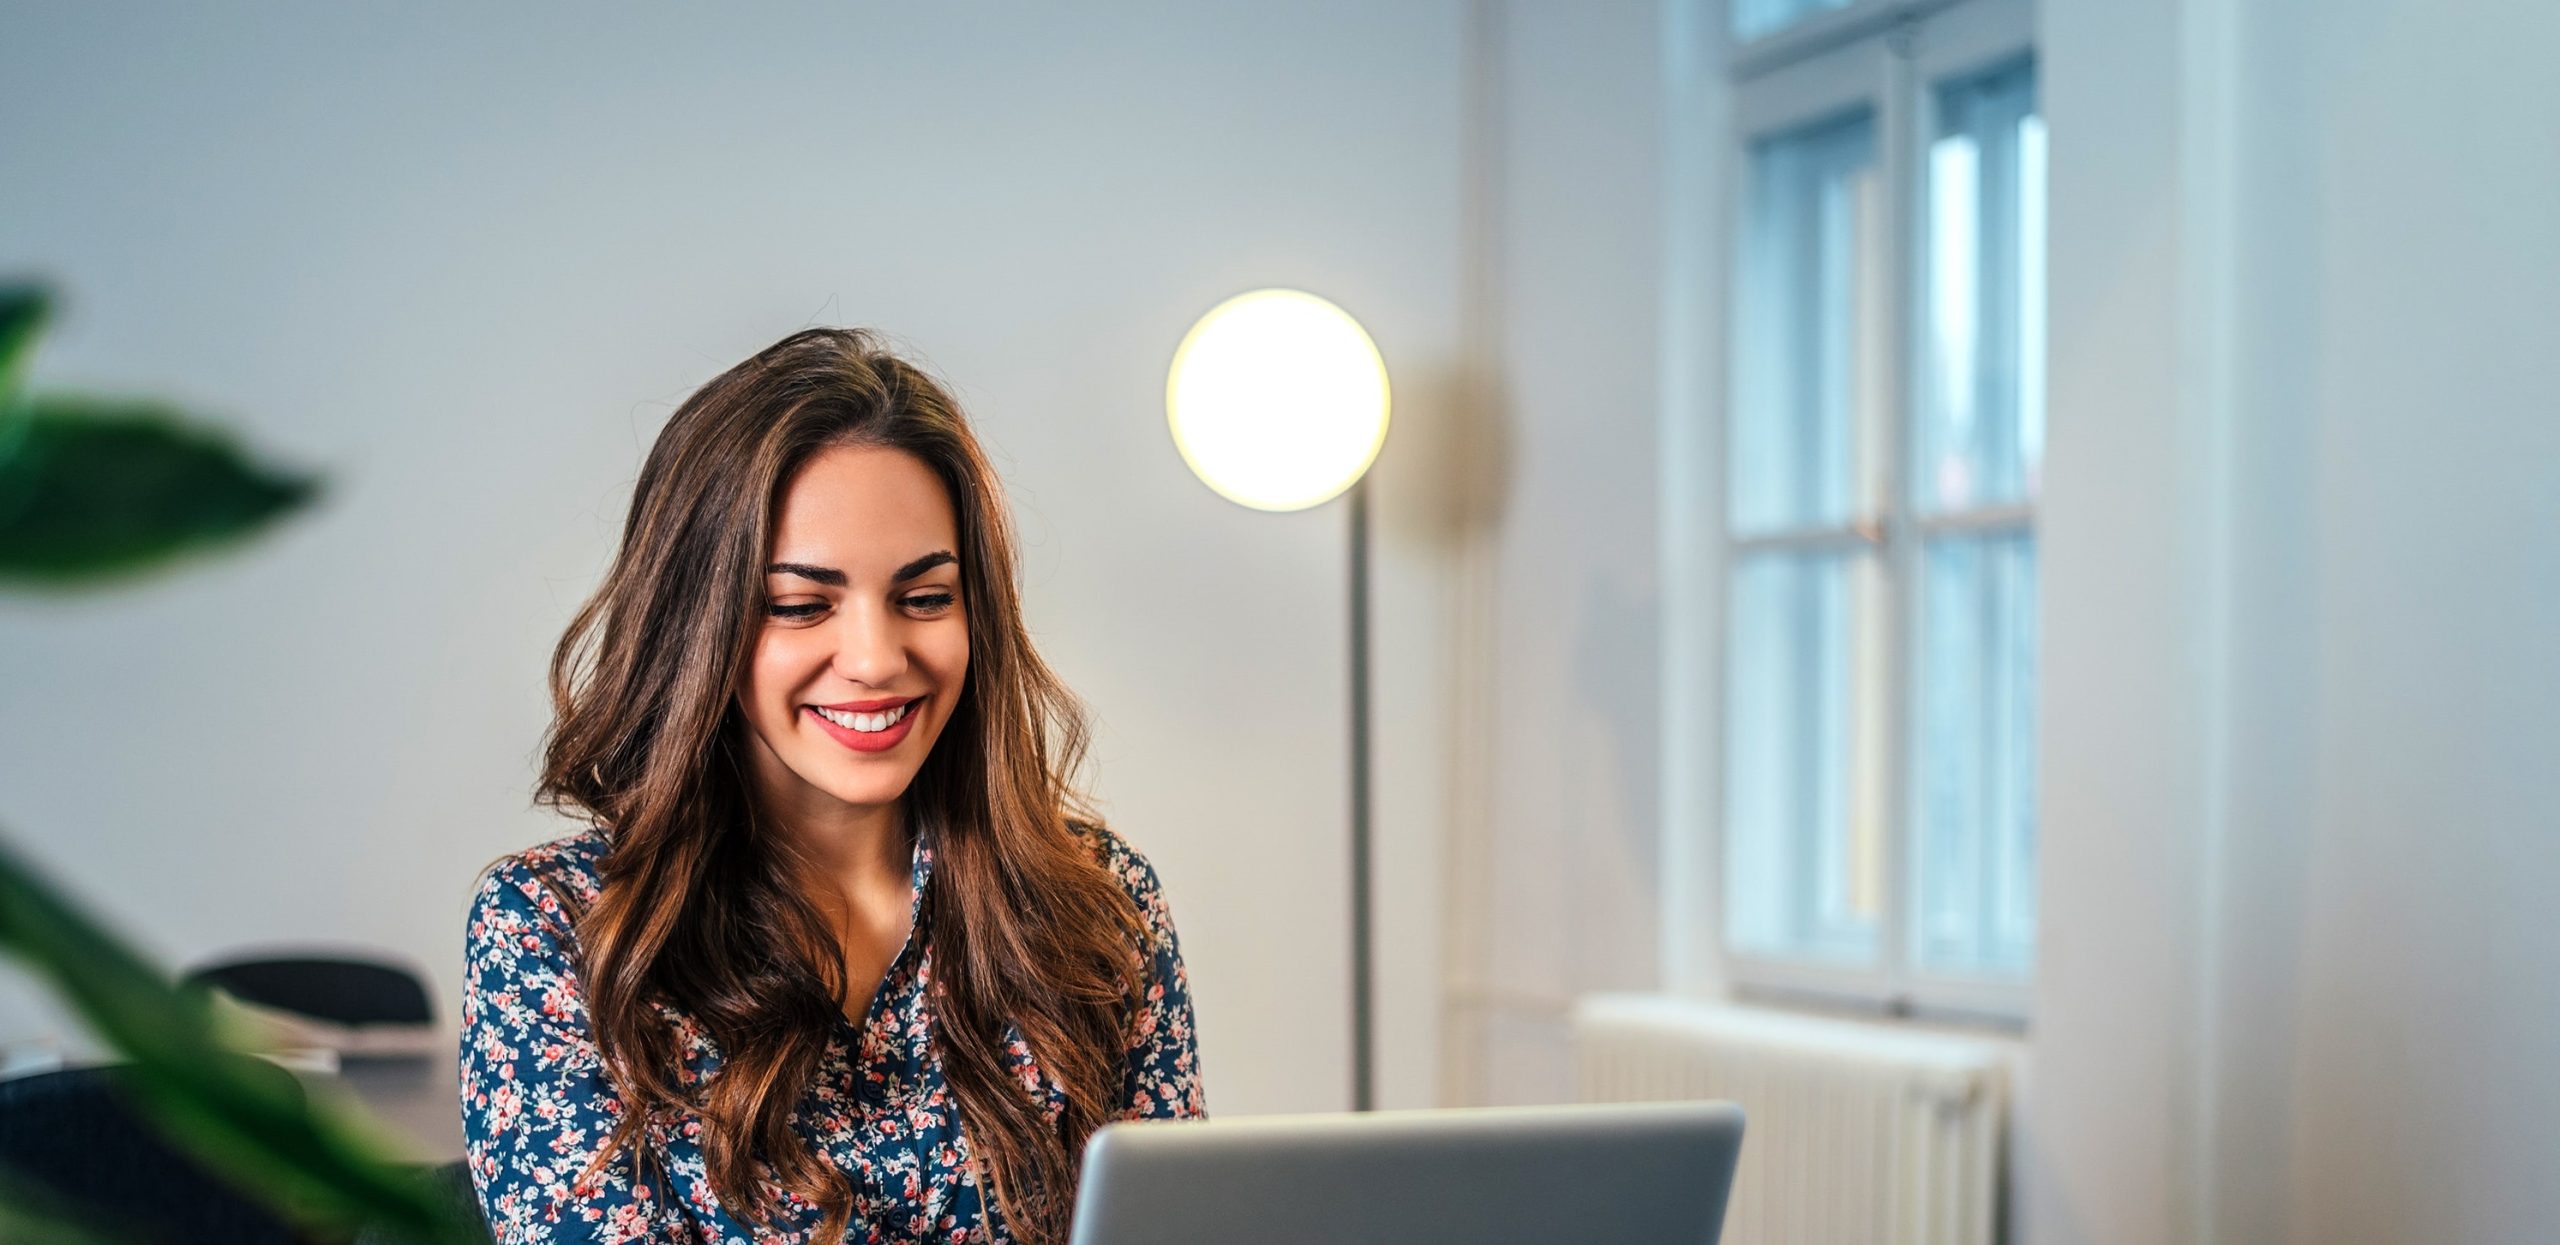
x=842, y=955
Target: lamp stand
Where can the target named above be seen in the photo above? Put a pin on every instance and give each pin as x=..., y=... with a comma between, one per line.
x=1364, y=1079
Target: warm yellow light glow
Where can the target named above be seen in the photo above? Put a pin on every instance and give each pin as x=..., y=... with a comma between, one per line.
x=1278, y=400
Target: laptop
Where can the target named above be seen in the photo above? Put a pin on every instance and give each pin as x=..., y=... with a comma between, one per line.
x=1487, y=1176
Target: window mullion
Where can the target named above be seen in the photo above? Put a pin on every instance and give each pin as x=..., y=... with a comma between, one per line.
x=1977, y=521
x=1898, y=131
x=1864, y=534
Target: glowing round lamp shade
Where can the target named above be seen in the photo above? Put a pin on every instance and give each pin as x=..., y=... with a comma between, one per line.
x=1278, y=400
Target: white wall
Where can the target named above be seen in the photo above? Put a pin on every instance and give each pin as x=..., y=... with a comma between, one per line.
x=466, y=259
x=1555, y=877
x=2127, y=570
x=2299, y=974
x=2390, y=996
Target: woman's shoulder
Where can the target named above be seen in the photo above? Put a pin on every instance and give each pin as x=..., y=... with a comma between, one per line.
x=1127, y=866
x=549, y=878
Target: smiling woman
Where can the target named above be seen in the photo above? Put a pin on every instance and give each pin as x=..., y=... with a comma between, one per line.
x=843, y=946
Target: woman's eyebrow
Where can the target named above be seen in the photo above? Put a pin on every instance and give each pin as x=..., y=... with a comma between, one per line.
x=834, y=578
x=827, y=575
x=918, y=567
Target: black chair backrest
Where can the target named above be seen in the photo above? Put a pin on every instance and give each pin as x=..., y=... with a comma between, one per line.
x=340, y=990
x=71, y=1133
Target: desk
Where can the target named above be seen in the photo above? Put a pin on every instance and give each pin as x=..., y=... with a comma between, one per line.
x=419, y=1095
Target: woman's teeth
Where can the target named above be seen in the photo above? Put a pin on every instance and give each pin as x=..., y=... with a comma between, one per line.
x=867, y=723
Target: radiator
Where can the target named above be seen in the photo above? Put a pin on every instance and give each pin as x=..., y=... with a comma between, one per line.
x=1858, y=1133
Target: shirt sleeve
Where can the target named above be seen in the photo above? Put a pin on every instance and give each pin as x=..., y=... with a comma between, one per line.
x=1163, y=1077
x=536, y=1106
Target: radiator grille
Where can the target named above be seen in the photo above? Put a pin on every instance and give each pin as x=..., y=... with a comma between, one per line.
x=1859, y=1133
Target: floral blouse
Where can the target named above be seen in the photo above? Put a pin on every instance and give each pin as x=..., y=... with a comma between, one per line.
x=536, y=1105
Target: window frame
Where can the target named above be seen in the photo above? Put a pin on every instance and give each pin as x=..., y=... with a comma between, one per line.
x=1889, y=56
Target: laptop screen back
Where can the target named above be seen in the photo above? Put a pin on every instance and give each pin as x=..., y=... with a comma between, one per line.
x=1655, y=1172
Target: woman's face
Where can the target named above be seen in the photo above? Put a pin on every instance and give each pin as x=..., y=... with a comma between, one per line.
x=865, y=639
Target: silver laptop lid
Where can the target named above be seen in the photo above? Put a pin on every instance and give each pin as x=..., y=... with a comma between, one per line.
x=1488, y=1176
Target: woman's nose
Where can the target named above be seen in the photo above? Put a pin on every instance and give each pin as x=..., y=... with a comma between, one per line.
x=870, y=649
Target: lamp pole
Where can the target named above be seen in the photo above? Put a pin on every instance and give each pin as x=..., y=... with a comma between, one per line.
x=1364, y=1071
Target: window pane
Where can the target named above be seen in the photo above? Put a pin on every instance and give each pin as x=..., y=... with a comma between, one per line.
x=1809, y=325
x=1754, y=18
x=1981, y=439
x=1804, y=867
x=1976, y=761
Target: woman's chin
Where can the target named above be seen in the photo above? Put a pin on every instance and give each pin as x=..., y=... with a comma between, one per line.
x=866, y=798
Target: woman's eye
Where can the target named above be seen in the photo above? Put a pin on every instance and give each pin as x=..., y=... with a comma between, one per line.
x=807, y=610
x=932, y=602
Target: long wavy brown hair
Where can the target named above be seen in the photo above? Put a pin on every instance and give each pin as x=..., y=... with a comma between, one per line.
x=699, y=909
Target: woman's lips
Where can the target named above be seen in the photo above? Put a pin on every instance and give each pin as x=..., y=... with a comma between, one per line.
x=867, y=741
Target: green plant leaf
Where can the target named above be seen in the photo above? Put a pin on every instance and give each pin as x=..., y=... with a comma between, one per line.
x=312, y=1160
x=98, y=489
x=23, y=310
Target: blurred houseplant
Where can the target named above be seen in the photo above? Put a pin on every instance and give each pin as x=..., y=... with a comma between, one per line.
x=97, y=491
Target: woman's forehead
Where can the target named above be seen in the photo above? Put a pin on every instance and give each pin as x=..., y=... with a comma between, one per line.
x=863, y=509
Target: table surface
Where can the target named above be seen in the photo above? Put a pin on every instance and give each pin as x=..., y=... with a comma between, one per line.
x=420, y=1096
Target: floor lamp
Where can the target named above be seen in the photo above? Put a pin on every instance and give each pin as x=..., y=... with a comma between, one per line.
x=1278, y=401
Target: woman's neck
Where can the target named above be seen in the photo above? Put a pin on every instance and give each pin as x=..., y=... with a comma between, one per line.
x=857, y=861
x=851, y=860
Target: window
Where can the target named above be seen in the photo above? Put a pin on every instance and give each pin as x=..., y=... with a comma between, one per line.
x=1883, y=442
x=1754, y=18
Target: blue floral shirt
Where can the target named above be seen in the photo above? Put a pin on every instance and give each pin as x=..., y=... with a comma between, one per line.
x=536, y=1105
